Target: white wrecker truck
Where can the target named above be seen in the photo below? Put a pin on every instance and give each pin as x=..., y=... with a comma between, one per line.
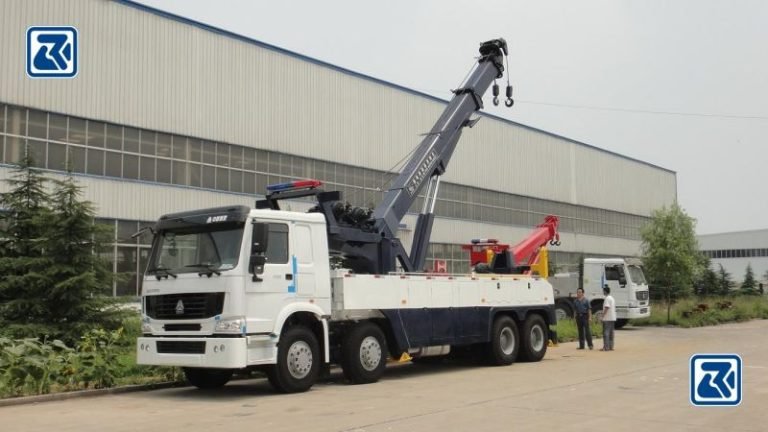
x=236, y=288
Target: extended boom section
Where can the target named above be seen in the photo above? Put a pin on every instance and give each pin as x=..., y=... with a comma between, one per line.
x=371, y=246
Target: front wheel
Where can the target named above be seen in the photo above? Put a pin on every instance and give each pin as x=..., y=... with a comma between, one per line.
x=298, y=361
x=504, y=345
x=203, y=378
x=534, y=345
x=621, y=322
x=364, y=353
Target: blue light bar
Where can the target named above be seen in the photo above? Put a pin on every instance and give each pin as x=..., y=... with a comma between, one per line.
x=297, y=184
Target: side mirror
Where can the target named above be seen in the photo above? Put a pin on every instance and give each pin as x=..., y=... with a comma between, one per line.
x=256, y=266
x=622, y=281
x=260, y=238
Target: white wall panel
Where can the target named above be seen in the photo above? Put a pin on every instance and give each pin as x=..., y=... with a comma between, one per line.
x=146, y=70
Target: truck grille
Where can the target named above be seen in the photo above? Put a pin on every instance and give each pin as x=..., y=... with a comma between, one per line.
x=642, y=295
x=182, y=327
x=184, y=306
x=181, y=347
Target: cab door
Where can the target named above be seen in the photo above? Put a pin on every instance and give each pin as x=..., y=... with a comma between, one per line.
x=276, y=275
x=616, y=279
x=302, y=260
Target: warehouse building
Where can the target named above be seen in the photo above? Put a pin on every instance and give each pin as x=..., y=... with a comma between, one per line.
x=736, y=250
x=167, y=114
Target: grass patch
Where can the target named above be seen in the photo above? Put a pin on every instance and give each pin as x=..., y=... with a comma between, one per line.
x=568, y=332
x=699, y=312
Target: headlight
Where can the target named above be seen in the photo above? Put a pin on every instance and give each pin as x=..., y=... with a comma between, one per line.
x=232, y=325
x=633, y=304
x=145, y=327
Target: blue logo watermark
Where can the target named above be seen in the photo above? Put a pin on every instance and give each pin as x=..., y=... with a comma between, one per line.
x=51, y=52
x=716, y=379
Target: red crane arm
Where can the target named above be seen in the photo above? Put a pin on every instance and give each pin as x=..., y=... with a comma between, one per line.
x=526, y=251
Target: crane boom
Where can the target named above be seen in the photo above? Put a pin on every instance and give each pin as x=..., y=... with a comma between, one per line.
x=367, y=240
x=488, y=255
x=526, y=252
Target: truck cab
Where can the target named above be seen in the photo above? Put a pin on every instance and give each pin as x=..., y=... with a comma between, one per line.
x=264, y=266
x=627, y=283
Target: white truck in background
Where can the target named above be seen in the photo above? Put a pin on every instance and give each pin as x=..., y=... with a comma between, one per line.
x=626, y=281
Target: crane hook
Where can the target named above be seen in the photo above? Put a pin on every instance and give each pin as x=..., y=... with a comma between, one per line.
x=495, y=94
x=509, y=102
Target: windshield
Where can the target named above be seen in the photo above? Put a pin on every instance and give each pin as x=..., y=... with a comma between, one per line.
x=204, y=248
x=636, y=275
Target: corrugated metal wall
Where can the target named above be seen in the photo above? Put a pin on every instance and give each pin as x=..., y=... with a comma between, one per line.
x=142, y=69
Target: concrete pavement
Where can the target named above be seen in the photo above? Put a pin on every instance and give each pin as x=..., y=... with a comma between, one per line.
x=641, y=386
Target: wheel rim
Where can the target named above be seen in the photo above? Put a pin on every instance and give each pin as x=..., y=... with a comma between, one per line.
x=537, y=338
x=507, y=341
x=370, y=353
x=299, y=359
x=560, y=314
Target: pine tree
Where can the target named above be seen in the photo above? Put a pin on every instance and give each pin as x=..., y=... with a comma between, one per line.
x=724, y=282
x=78, y=272
x=51, y=274
x=706, y=280
x=22, y=240
x=748, y=287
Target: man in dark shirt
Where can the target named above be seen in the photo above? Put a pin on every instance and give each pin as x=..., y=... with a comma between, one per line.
x=583, y=316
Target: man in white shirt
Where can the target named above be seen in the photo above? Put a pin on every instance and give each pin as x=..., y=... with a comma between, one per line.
x=609, y=319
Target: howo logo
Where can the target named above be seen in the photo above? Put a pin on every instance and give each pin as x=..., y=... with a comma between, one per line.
x=212, y=219
x=180, y=308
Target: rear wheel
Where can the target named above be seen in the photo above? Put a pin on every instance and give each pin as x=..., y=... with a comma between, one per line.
x=504, y=345
x=204, y=378
x=597, y=310
x=364, y=353
x=534, y=344
x=563, y=311
x=298, y=361
x=621, y=322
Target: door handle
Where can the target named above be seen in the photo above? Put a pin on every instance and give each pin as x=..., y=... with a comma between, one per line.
x=288, y=276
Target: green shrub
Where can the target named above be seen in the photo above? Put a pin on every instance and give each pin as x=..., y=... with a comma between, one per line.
x=708, y=311
x=31, y=366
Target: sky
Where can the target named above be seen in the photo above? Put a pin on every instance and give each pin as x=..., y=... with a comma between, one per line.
x=679, y=84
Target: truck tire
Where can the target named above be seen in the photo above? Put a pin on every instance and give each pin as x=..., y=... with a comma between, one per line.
x=534, y=339
x=563, y=310
x=298, y=361
x=364, y=353
x=621, y=322
x=505, y=342
x=597, y=310
x=204, y=378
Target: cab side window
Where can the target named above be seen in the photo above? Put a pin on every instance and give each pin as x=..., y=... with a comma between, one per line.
x=277, y=245
x=612, y=273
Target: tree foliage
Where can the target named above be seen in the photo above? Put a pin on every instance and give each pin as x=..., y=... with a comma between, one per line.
x=51, y=274
x=670, y=251
x=706, y=281
x=749, y=285
x=724, y=281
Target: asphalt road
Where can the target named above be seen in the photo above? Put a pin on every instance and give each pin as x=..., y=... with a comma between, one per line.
x=641, y=386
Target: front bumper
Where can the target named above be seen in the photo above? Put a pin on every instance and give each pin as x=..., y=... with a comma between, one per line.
x=205, y=352
x=633, y=312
